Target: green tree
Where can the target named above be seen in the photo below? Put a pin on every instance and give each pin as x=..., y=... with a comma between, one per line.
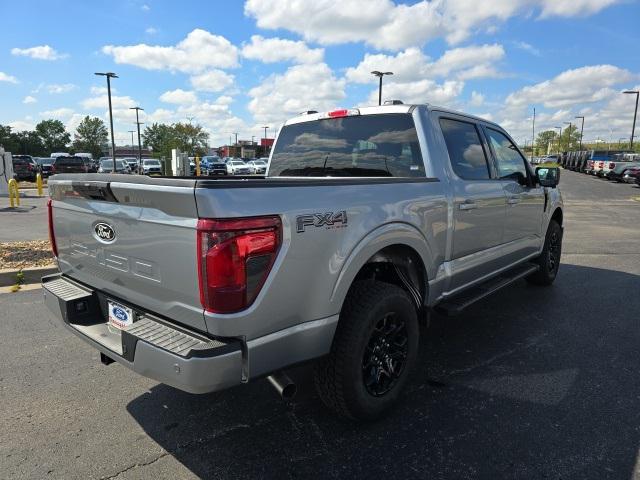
x=8, y=139
x=160, y=138
x=90, y=135
x=570, y=139
x=189, y=138
x=30, y=143
x=544, y=139
x=53, y=135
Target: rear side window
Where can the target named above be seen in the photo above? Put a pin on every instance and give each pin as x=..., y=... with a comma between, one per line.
x=510, y=164
x=466, y=152
x=383, y=145
x=69, y=161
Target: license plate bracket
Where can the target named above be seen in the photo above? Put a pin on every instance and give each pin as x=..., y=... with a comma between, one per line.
x=119, y=316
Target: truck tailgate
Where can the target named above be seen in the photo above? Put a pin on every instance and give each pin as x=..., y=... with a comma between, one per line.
x=150, y=261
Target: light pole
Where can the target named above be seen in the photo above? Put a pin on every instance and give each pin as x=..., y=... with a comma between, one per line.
x=559, y=138
x=137, y=109
x=581, y=130
x=568, y=135
x=380, y=75
x=635, y=114
x=533, y=132
x=109, y=76
x=265, y=139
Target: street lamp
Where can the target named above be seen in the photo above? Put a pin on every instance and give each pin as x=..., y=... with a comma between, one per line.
x=581, y=130
x=137, y=109
x=635, y=114
x=265, y=139
x=568, y=135
x=559, y=138
x=109, y=76
x=380, y=75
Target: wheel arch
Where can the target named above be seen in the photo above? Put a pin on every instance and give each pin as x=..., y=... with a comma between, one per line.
x=396, y=253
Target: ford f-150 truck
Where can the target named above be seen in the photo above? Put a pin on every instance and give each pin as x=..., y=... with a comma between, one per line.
x=366, y=220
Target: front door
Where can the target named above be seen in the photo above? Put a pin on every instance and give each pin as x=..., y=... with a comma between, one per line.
x=525, y=199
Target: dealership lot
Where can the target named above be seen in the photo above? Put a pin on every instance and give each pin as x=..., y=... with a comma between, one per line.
x=530, y=383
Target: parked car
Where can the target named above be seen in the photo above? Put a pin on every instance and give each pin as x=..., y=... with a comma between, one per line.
x=216, y=166
x=631, y=175
x=257, y=167
x=106, y=166
x=25, y=168
x=618, y=160
x=44, y=165
x=337, y=264
x=151, y=166
x=69, y=164
x=132, y=162
x=237, y=167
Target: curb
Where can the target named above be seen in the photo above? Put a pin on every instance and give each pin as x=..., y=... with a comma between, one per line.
x=31, y=275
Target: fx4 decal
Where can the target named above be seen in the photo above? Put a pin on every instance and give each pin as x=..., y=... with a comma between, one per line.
x=328, y=220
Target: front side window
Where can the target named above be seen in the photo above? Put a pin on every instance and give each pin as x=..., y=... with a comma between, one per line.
x=384, y=145
x=510, y=164
x=466, y=153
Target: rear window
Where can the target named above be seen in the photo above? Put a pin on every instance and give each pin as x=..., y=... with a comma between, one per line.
x=21, y=160
x=69, y=161
x=383, y=145
x=152, y=162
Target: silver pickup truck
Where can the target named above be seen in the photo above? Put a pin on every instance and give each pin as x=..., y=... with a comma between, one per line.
x=366, y=220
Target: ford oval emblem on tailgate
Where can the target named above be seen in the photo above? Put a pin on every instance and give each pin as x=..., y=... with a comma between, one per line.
x=105, y=232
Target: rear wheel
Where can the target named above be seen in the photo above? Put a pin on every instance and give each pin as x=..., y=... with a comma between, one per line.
x=373, y=350
x=549, y=259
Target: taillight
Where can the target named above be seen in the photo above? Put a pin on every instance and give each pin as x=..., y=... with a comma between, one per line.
x=52, y=236
x=235, y=257
x=343, y=112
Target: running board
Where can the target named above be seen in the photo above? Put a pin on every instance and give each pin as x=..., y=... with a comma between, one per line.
x=456, y=304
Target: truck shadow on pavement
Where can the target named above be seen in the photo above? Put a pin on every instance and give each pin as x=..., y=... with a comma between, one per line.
x=530, y=383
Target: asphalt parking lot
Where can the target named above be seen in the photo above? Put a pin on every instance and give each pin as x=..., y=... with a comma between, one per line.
x=530, y=383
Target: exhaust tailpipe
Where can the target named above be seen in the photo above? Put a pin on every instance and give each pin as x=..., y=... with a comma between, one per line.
x=283, y=385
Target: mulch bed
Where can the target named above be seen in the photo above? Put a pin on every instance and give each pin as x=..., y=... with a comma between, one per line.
x=18, y=255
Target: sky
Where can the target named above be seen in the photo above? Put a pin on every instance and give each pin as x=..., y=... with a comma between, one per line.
x=236, y=66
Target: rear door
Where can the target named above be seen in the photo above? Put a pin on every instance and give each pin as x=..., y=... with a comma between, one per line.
x=149, y=261
x=478, y=205
x=525, y=199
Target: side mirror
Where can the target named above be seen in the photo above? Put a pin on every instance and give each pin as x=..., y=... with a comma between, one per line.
x=548, y=176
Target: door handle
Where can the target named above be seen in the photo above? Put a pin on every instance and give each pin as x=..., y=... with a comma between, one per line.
x=513, y=200
x=468, y=205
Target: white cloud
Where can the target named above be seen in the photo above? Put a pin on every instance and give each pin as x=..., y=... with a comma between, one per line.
x=211, y=81
x=580, y=85
x=390, y=26
x=41, y=52
x=301, y=87
x=473, y=61
x=151, y=30
x=199, y=51
x=60, y=88
x=179, y=96
x=4, y=77
x=58, y=113
x=20, y=125
x=100, y=90
x=145, y=7
x=477, y=99
x=527, y=47
x=29, y=99
x=271, y=50
x=420, y=91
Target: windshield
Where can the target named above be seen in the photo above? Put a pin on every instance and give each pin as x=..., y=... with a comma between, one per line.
x=69, y=161
x=237, y=163
x=384, y=145
x=106, y=164
x=154, y=163
x=259, y=162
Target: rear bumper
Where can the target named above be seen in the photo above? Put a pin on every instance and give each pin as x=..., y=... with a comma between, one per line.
x=151, y=346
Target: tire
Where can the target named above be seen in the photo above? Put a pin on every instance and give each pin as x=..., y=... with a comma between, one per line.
x=344, y=382
x=549, y=259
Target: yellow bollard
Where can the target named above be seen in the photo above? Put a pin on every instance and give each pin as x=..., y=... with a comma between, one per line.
x=197, y=166
x=14, y=193
x=39, y=184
